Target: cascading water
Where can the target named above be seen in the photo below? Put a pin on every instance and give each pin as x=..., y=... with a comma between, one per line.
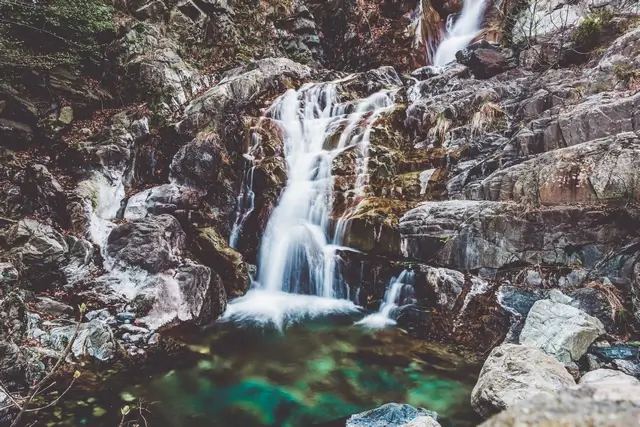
x=245, y=205
x=399, y=292
x=297, y=258
x=460, y=33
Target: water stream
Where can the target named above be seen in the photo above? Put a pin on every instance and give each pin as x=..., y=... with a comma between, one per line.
x=461, y=31
x=297, y=275
x=399, y=292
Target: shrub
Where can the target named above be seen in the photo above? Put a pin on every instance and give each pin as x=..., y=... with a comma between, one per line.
x=588, y=32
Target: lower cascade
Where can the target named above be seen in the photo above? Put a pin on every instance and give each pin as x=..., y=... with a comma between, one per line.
x=399, y=292
x=298, y=250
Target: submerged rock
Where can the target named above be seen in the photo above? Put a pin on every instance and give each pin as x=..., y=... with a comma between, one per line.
x=393, y=415
x=560, y=330
x=513, y=373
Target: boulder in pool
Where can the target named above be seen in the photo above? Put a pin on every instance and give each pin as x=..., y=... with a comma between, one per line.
x=393, y=415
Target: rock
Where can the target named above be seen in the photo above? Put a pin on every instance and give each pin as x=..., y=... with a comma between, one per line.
x=51, y=307
x=558, y=297
x=513, y=373
x=618, y=351
x=151, y=11
x=12, y=363
x=16, y=108
x=484, y=59
x=39, y=249
x=152, y=243
x=95, y=339
x=572, y=408
x=390, y=415
x=609, y=376
x=15, y=135
x=156, y=73
x=164, y=199
x=573, y=369
x=596, y=302
x=575, y=174
x=468, y=235
x=422, y=422
x=560, y=330
x=8, y=275
x=198, y=163
x=628, y=367
x=237, y=87
x=227, y=262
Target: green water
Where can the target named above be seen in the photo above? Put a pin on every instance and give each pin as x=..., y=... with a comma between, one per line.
x=312, y=374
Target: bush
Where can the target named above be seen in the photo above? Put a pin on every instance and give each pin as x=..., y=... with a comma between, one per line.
x=52, y=32
x=587, y=34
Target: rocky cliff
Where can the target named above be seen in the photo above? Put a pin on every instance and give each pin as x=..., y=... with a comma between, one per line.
x=131, y=131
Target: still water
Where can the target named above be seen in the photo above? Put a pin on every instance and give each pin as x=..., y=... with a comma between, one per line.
x=311, y=374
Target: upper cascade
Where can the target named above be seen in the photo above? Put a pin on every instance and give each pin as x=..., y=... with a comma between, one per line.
x=461, y=32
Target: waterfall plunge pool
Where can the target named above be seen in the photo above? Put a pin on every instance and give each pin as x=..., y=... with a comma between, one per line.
x=313, y=373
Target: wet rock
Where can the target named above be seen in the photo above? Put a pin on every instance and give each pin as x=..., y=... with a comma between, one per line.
x=152, y=243
x=619, y=351
x=51, y=307
x=198, y=163
x=597, y=303
x=513, y=373
x=573, y=369
x=227, y=262
x=95, y=339
x=574, y=408
x=560, y=330
x=15, y=135
x=485, y=59
x=519, y=301
x=628, y=367
x=390, y=415
x=12, y=363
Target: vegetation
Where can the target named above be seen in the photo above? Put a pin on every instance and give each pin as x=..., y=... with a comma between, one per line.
x=53, y=32
x=589, y=30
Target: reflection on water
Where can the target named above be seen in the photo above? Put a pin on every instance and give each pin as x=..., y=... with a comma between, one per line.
x=314, y=373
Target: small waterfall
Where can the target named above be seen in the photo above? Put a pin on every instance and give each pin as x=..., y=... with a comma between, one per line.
x=298, y=250
x=245, y=204
x=399, y=292
x=460, y=33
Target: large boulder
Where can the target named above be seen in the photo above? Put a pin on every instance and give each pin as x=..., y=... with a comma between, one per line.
x=153, y=243
x=578, y=174
x=575, y=408
x=513, y=373
x=468, y=235
x=236, y=88
x=391, y=415
x=163, y=199
x=485, y=59
x=560, y=330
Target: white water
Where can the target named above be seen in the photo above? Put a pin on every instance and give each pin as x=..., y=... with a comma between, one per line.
x=461, y=33
x=298, y=251
x=398, y=293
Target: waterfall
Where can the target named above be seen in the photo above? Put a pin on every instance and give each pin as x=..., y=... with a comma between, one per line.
x=297, y=259
x=245, y=203
x=399, y=292
x=460, y=33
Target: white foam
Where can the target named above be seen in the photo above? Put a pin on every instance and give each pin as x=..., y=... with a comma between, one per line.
x=281, y=309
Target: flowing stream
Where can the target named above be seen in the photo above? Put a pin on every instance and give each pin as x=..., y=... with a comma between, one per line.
x=461, y=31
x=399, y=292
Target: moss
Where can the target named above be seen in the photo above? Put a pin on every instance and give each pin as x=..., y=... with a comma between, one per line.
x=587, y=34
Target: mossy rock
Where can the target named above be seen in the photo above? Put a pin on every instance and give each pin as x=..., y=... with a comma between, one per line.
x=213, y=250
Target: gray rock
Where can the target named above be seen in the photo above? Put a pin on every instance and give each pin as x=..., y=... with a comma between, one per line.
x=575, y=408
x=163, y=199
x=8, y=274
x=608, y=376
x=152, y=243
x=560, y=330
x=513, y=373
x=465, y=234
x=95, y=339
x=628, y=367
x=198, y=163
x=15, y=135
x=573, y=369
x=422, y=421
x=389, y=415
x=235, y=88
x=51, y=307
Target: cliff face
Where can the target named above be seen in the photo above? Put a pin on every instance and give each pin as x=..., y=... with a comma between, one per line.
x=129, y=133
